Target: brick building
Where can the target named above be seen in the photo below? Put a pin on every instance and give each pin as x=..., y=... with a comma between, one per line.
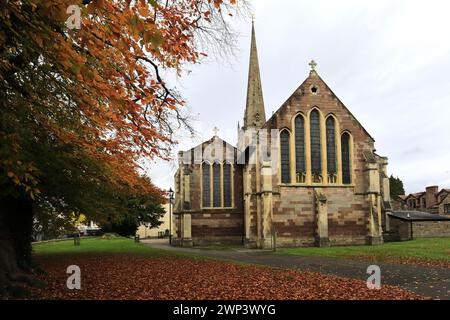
x=431, y=200
x=308, y=176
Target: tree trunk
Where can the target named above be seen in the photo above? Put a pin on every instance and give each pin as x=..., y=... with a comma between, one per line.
x=16, y=266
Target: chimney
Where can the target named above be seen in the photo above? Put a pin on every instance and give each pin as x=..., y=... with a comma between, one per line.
x=431, y=195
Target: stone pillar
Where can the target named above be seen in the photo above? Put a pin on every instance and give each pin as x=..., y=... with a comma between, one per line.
x=187, y=191
x=322, y=239
x=386, y=194
x=267, y=204
x=385, y=181
x=248, y=241
x=186, y=240
x=259, y=218
x=374, y=197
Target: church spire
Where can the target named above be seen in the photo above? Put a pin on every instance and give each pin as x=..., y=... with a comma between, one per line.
x=255, y=115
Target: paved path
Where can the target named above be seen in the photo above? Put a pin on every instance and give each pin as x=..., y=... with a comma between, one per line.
x=426, y=281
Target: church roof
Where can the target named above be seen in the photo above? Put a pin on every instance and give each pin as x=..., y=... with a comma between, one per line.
x=255, y=114
x=314, y=74
x=213, y=139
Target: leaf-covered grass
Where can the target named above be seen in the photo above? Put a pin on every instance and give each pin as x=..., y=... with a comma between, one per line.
x=430, y=249
x=119, y=268
x=96, y=245
x=166, y=278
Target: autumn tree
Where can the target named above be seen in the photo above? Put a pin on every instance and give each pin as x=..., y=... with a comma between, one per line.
x=80, y=108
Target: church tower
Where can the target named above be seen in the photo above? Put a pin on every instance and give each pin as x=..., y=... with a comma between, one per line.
x=248, y=139
x=255, y=115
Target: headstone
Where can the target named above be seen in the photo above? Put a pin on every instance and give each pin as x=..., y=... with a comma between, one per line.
x=76, y=240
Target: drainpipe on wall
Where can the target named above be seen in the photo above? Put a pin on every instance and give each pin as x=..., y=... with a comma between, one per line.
x=412, y=237
x=411, y=226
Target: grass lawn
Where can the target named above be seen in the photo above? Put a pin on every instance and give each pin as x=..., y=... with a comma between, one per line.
x=95, y=245
x=430, y=249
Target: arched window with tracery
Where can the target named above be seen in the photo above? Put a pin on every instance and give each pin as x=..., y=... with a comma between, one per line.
x=345, y=145
x=316, y=157
x=285, y=157
x=331, y=150
x=300, y=165
x=206, y=185
x=217, y=195
x=227, y=197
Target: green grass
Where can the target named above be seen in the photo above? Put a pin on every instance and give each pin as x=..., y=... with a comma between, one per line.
x=116, y=245
x=425, y=249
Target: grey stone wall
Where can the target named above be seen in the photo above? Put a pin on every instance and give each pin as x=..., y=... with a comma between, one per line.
x=420, y=229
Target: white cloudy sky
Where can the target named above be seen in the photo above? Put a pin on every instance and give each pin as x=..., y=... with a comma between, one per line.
x=387, y=60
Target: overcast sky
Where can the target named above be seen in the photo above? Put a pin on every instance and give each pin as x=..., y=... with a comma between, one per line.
x=387, y=60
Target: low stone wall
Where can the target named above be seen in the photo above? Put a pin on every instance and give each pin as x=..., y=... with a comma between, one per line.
x=420, y=229
x=431, y=229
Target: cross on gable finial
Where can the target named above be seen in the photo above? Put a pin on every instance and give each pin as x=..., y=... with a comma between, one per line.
x=216, y=131
x=313, y=65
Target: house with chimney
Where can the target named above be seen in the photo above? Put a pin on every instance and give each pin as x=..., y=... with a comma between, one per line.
x=432, y=200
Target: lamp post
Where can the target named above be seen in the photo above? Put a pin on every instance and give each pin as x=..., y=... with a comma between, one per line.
x=170, y=214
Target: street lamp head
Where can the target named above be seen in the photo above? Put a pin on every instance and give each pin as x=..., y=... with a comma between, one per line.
x=171, y=194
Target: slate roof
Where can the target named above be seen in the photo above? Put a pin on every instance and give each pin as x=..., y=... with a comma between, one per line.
x=418, y=216
x=416, y=195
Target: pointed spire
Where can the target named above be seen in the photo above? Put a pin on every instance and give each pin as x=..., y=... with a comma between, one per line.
x=255, y=115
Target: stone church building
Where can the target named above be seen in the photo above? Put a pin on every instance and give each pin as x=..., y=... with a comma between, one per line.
x=307, y=176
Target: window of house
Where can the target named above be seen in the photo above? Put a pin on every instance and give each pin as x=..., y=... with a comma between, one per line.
x=285, y=162
x=447, y=208
x=300, y=149
x=345, y=145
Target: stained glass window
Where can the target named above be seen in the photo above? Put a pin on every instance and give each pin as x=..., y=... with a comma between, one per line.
x=217, y=196
x=285, y=163
x=331, y=146
x=227, y=185
x=206, y=185
x=300, y=145
x=345, y=141
x=316, y=165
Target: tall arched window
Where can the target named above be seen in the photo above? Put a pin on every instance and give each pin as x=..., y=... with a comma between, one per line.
x=206, y=185
x=227, y=185
x=316, y=159
x=285, y=156
x=300, y=166
x=217, y=195
x=345, y=144
x=331, y=150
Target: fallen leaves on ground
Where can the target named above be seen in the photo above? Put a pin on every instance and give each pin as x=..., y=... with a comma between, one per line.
x=167, y=278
